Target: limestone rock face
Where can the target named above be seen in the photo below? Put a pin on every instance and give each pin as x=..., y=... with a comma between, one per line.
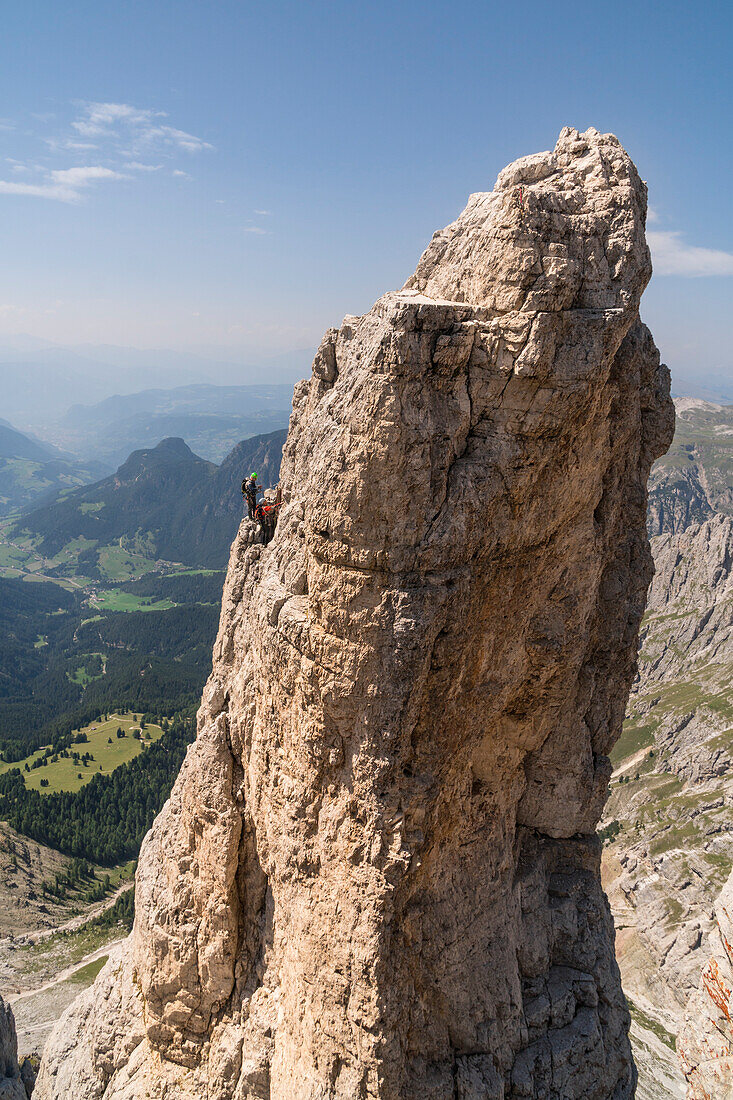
x=705, y=1043
x=377, y=875
x=11, y=1083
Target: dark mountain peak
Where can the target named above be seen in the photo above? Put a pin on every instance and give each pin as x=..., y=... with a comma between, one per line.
x=188, y=509
x=174, y=445
x=169, y=453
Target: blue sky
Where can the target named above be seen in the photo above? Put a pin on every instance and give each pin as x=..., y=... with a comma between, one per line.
x=238, y=176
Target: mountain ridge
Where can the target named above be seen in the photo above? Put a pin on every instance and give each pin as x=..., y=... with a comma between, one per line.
x=32, y=470
x=163, y=502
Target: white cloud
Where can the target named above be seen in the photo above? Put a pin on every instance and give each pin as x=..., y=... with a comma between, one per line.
x=263, y=213
x=651, y=214
x=40, y=190
x=254, y=229
x=125, y=140
x=169, y=136
x=63, y=184
x=144, y=129
x=100, y=118
x=82, y=177
x=136, y=166
x=671, y=256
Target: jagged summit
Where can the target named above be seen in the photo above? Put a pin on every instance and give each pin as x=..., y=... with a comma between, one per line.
x=377, y=875
x=560, y=231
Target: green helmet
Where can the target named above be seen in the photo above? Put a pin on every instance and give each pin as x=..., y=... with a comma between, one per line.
x=254, y=477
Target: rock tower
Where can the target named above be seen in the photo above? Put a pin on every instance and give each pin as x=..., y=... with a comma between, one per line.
x=377, y=876
x=16, y=1082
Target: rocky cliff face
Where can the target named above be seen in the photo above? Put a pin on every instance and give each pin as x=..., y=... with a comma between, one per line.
x=705, y=1043
x=15, y=1084
x=377, y=875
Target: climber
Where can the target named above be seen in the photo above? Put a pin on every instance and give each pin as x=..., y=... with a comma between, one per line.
x=250, y=489
x=266, y=515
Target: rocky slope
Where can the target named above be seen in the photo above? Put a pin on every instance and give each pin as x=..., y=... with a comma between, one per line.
x=377, y=874
x=705, y=1043
x=673, y=788
x=24, y=865
x=694, y=480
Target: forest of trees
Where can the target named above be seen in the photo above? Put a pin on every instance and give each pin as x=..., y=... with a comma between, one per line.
x=178, y=587
x=152, y=661
x=107, y=819
x=182, y=633
x=122, y=912
x=65, y=659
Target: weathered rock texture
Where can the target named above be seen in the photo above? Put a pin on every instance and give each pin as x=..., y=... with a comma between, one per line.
x=705, y=1043
x=11, y=1082
x=377, y=875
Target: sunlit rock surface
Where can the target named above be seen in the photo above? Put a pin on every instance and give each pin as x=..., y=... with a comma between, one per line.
x=377, y=875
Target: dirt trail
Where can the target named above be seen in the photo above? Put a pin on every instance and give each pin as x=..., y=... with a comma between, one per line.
x=70, y=925
x=37, y=1010
x=67, y=973
x=81, y=918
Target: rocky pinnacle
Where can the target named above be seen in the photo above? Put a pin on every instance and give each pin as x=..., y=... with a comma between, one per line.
x=16, y=1083
x=377, y=875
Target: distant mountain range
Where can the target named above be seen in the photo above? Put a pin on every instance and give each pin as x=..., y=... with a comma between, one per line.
x=163, y=503
x=40, y=380
x=89, y=441
x=14, y=444
x=31, y=471
x=212, y=419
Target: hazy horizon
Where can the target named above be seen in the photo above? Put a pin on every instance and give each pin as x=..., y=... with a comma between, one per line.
x=200, y=182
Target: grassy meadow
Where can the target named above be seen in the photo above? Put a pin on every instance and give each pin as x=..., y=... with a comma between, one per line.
x=108, y=750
